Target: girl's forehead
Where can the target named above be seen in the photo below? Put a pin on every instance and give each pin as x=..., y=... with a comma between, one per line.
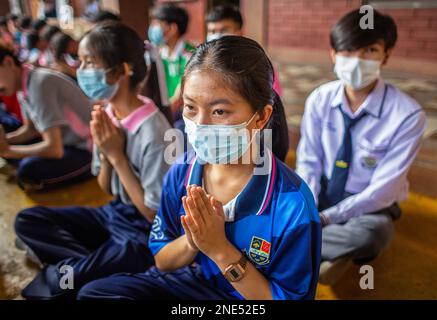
x=206, y=85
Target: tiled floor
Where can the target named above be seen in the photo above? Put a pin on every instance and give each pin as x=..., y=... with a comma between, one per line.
x=299, y=80
x=406, y=270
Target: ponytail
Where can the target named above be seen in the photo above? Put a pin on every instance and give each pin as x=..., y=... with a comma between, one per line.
x=278, y=124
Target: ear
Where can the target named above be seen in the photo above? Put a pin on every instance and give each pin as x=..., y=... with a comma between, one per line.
x=127, y=70
x=332, y=53
x=173, y=30
x=263, y=117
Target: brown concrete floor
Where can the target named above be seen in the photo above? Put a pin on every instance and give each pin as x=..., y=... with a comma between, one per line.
x=406, y=270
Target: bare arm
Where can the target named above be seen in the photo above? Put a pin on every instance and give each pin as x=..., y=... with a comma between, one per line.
x=177, y=254
x=105, y=175
x=25, y=133
x=50, y=147
x=132, y=185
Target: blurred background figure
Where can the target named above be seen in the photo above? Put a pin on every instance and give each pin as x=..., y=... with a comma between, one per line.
x=167, y=29
x=65, y=54
x=227, y=20
x=5, y=34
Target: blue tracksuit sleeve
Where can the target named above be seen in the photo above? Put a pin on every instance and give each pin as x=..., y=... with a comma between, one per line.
x=166, y=226
x=295, y=265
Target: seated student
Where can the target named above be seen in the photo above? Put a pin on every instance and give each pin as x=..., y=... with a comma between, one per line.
x=10, y=112
x=34, y=47
x=65, y=58
x=265, y=242
x=13, y=28
x=46, y=57
x=11, y=117
x=359, y=138
x=38, y=26
x=24, y=27
x=129, y=163
x=167, y=29
x=5, y=35
x=57, y=113
x=227, y=20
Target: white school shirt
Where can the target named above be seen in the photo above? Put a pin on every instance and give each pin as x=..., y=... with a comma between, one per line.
x=384, y=145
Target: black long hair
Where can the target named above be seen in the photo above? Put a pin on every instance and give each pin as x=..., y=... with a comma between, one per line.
x=243, y=64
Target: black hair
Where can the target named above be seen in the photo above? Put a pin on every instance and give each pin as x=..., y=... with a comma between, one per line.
x=59, y=44
x=25, y=23
x=347, y=35
x=225, y=12
x=243, y=64
x=105, y=16
x=172, y=14
x=48, y=32
x=32, y=39
x=12, y=17
x=38, y=25
x=8, y=51
x=3, y=22
x=114, y=43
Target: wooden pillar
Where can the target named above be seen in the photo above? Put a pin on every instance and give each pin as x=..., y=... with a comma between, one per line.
x=255, y=19
x=4, y=8
x=135, y=13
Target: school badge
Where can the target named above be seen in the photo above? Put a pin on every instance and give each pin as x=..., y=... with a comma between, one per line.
x=259, y=251
x=369, y=162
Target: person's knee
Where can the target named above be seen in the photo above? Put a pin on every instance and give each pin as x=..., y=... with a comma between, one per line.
x=372, y=241
x=27, y=170
x=92, y=290
x=26, y=220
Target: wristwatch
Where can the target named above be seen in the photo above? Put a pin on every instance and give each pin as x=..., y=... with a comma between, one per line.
x=236, y=271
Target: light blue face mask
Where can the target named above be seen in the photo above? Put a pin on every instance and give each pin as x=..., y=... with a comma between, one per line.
x=93, y=84
x=214, y=36
x=218, y=144
x=156, y=35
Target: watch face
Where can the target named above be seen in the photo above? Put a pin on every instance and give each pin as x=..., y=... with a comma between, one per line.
x=234, y=273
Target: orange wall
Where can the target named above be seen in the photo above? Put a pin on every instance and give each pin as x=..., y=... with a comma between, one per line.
x=196, y=10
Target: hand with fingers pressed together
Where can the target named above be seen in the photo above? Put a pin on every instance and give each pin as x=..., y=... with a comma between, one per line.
x=109, y=138
x=204, y=222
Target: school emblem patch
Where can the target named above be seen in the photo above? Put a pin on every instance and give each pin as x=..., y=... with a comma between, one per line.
x=259, y=251
x=369, y=162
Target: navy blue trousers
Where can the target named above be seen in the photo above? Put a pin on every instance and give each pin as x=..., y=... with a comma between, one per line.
x=94, y=242
x=74, y=166
x=9, y=122
x=184, y=284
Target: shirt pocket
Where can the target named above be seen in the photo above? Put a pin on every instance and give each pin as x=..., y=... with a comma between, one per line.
x=369, y=154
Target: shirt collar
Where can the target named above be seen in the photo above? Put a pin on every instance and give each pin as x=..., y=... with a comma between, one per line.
x=255, y=197
x=133, y=121
x=372, y=105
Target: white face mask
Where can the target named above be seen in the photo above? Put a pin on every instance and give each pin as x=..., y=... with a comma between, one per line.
x=218, y=144
x=356, y=72
x=214, y=36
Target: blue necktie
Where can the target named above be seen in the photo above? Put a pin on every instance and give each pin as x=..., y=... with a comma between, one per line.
x=335, y=191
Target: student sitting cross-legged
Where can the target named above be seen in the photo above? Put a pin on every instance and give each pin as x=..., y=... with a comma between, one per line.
x=53, y=146
x=360, y=136
x=130, y=165
x=234, y=222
